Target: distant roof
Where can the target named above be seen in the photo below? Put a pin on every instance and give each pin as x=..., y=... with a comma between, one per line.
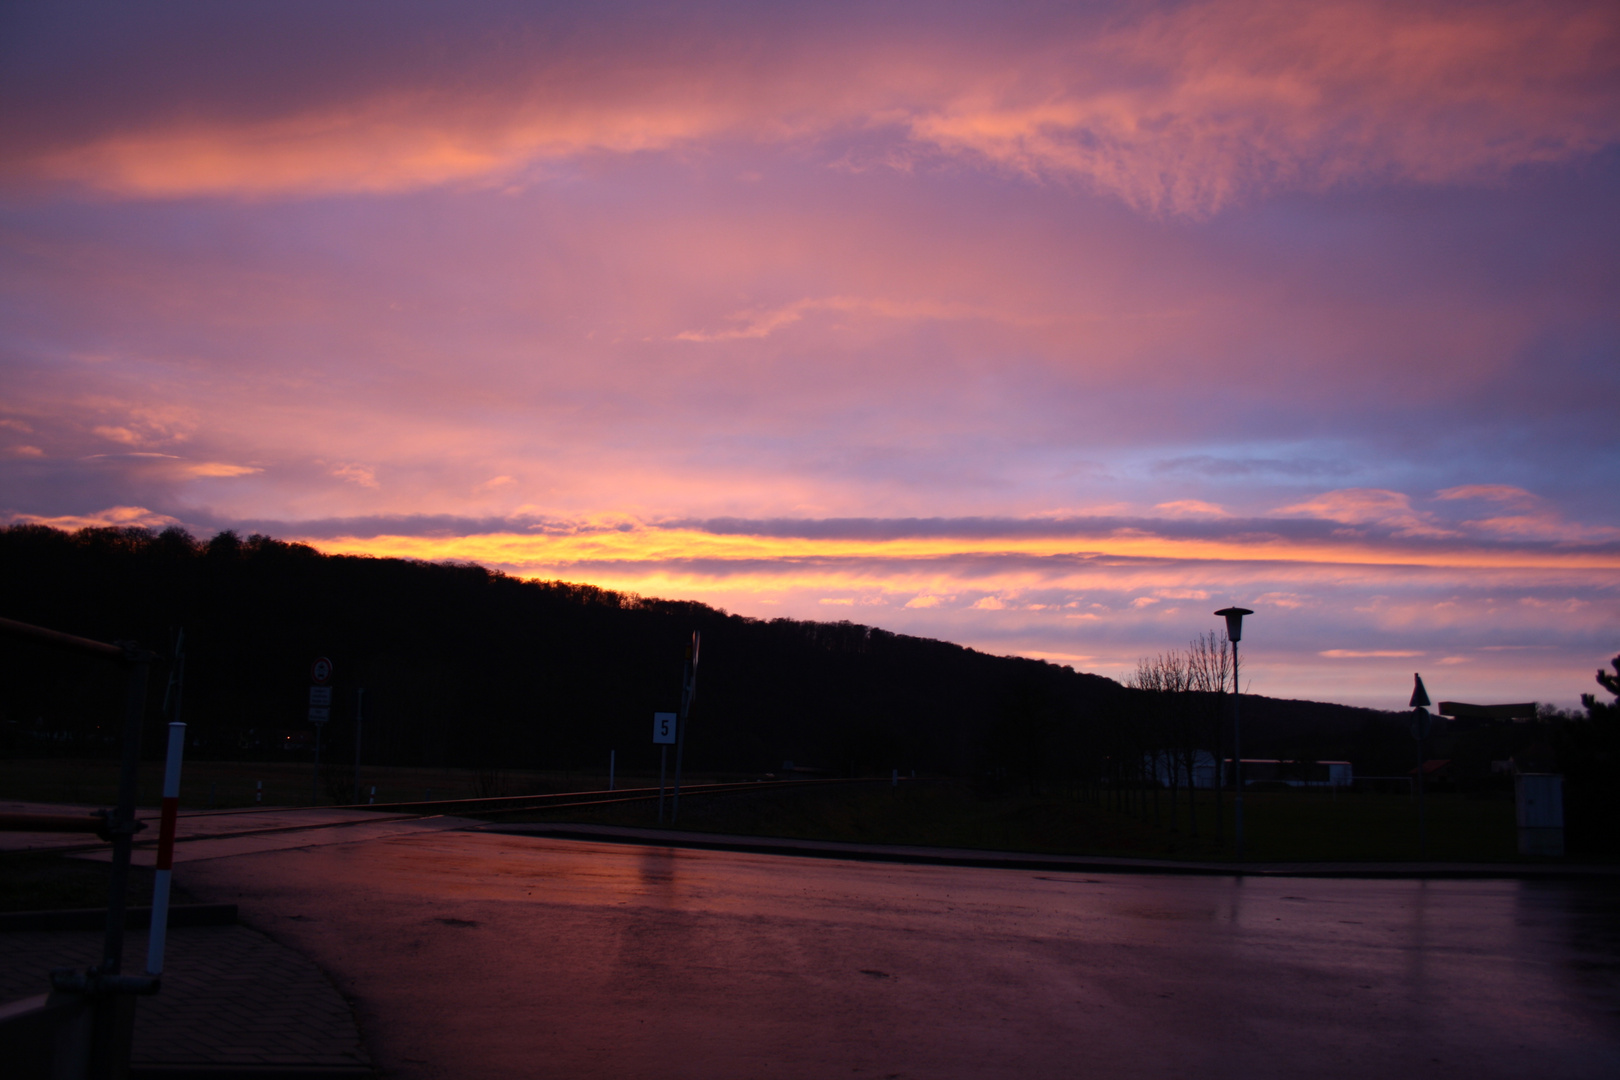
x=1464, y=711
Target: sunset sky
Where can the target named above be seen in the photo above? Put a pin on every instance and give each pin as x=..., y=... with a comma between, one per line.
x=1047, y=329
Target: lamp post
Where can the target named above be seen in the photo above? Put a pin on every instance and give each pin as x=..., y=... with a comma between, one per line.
x=688, y=692
x=1234, y=634
x=1420, y=731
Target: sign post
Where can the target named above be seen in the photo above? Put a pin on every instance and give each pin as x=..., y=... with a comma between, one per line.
x=320, y=711
x=664, y=724
x=359, y=719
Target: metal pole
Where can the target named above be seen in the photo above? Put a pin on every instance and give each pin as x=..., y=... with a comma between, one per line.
x=121, y=823
x=112, y=1017
x=1220, y=783
x=663, y=760
x=675, y=799
x=315, y=786
x=1420, y=731
x=1423, y=825
x=177, y=677
x=688, y=691
x=1237, y=758
x=157, y=936
x=359, y=720
x=612, y=761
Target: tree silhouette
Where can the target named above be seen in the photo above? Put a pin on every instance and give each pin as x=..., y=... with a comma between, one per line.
x=1589, y=754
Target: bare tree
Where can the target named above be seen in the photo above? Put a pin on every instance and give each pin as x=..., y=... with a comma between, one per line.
x=1151, y=727
x=1167, y=681
x=1209, y=670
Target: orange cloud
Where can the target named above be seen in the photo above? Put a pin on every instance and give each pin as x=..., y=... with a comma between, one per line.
x=112, y=517
x=1175, y=110
x=677, y=556
x=363, y=475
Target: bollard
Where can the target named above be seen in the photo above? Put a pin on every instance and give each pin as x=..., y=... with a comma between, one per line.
x=894, y=778
x=157, y=936
x=258, y=791
x=373, y=794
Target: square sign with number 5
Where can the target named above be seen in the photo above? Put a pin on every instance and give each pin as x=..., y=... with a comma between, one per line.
x=663, y=727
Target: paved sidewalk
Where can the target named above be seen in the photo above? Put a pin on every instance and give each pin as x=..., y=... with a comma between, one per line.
x=233, y=1002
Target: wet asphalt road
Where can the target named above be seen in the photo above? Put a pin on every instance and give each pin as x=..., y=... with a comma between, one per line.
x=478, y=955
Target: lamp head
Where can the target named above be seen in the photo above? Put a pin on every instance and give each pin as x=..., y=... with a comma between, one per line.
x=1234, y=621
x=1420, y=696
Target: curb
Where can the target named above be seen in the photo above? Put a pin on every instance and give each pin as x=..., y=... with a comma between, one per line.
x=152, y=1071
x=135, y=918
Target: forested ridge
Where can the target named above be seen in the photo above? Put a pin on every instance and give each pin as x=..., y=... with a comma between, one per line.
x=462, y=665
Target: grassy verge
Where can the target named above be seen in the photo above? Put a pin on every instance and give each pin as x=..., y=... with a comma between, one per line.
x=1279, y=826
x=46, y=881
x=225, y=784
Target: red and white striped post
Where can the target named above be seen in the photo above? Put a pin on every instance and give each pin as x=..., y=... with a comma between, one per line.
x=165, y=853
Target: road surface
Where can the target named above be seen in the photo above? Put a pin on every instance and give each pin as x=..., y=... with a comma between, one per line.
x=484, y=955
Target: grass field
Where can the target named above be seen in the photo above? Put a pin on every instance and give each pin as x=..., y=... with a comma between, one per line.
x=223, y=784
x=1280, y=826
x=46, y=881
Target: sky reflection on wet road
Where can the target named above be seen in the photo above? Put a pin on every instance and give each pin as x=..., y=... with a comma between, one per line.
x=510, y=956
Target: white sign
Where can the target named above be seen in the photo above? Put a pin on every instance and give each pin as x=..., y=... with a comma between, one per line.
x=664, y=727
x=321, y=696
x=319, y=716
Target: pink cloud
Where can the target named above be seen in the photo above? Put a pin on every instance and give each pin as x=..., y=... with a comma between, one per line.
x=1190, y=508
x=1364, y=654
x=1503, y=493
x=1370, y=506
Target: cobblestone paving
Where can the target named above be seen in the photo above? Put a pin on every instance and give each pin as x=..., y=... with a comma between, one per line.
x=230, y=996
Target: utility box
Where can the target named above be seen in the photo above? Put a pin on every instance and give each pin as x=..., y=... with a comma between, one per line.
x=1540, y=799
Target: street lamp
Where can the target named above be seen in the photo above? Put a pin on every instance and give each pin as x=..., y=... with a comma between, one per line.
x=1234, y=634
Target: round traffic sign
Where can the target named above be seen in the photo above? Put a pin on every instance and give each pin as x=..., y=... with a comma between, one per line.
x=320, y=671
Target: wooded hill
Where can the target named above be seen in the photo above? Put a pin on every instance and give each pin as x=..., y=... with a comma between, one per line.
x=466, y=666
